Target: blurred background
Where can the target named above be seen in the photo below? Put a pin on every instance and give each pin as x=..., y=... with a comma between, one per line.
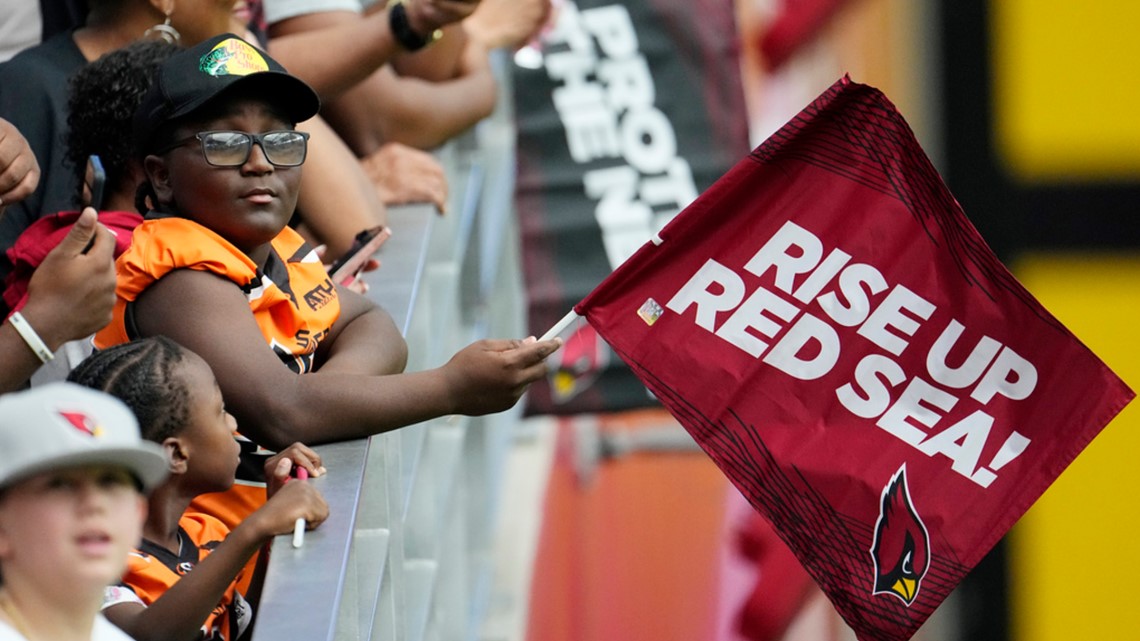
x=1026, y=108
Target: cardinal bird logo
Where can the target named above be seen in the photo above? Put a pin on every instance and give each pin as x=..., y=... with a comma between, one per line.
x=584, y=356
x=83, y=423
x=901, y=550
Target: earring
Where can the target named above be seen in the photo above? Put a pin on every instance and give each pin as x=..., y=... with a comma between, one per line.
x=164, y=32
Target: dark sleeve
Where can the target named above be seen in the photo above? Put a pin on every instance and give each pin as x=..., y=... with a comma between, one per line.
x=23, y=104
x=33, y=97
x=62, y=15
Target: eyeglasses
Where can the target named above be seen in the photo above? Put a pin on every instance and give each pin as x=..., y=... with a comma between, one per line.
x=285, y=148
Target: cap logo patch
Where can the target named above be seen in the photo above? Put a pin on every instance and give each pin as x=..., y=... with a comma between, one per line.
x=83, y=423
x=233, y=57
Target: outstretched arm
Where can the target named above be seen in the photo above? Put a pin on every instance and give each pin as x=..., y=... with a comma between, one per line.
x=178, y=614
x=415, y=112
x=275, y=407
x=352, y=45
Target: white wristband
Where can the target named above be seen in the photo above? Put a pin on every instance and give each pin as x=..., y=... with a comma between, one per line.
x=31, y=337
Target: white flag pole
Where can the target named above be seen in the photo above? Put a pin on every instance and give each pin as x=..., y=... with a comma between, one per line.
x=562, y=324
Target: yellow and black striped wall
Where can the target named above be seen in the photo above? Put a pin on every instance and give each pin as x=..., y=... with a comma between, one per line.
x=1041, y=145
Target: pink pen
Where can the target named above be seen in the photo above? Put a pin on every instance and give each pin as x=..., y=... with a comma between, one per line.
x=299, y=526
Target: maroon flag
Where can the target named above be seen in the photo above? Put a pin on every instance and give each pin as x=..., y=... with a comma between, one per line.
x=832, y=330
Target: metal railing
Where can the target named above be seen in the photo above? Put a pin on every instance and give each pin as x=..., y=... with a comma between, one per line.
x=406, y=554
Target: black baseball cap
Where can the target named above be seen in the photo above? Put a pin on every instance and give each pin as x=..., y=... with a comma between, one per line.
x=194, y=78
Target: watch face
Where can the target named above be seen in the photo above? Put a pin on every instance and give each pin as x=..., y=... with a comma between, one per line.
x=402, y=29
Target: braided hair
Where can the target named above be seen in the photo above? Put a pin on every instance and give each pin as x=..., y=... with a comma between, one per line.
x=142, y=374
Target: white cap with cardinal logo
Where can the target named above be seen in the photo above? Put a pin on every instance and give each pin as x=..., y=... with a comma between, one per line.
x=63, y=425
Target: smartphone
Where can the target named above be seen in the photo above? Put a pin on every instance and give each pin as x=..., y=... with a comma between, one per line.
x=348, y=266
x=98, y=184
x=98, y=181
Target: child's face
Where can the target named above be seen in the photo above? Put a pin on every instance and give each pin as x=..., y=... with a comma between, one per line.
x=247, y=205
x=70, y=530
x=209, y=437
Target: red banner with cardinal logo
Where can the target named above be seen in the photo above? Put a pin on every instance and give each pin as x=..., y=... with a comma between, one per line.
x=832, y=330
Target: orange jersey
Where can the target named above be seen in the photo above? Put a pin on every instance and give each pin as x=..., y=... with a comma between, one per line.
x=152, y=570
x=293, y=300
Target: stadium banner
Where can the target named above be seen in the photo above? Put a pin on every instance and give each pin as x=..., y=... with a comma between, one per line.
x=835, y=334
x=625, y=112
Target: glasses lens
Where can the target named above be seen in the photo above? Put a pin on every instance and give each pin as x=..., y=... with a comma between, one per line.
x=232, y=148
x=284, y=148
x=226, y=148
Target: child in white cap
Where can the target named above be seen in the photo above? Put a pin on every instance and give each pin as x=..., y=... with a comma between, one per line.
x=72, y=479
